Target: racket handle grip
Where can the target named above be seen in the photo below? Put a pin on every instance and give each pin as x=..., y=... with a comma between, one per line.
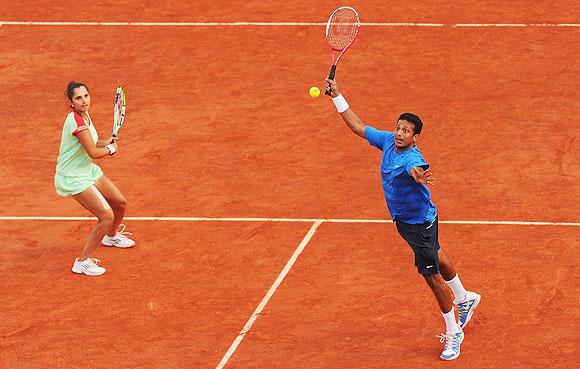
x=112, y=141
x=331, y=77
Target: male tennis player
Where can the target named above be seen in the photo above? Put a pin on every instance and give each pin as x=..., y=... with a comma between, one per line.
x=405, y=175
x=77, y=176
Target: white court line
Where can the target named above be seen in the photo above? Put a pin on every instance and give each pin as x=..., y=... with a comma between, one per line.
x=279, y=24
x=269, y=294
x=296, y=220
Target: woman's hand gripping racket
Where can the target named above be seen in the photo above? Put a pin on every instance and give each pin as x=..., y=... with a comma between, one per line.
x=341, y=31
x=119, y=111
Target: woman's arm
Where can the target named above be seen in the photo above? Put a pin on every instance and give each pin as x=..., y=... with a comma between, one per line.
x=105, y=142
x=95, y=151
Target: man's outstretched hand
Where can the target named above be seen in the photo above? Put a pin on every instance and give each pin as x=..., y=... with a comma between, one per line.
x=422, y=176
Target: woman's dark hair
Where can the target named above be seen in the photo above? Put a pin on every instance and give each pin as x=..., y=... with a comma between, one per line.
x=412, y=118
x=71, y=87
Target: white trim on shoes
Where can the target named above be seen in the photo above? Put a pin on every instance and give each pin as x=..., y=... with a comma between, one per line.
x=452, y=347
x=88, y=266
x=466, y=308
x=120, y=239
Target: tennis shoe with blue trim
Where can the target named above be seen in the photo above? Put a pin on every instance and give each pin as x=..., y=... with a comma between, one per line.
x=466, y=308
x=120, y=239
x=452, y=347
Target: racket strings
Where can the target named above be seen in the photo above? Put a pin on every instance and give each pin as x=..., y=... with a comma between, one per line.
x=342, y=28
x=119, y=111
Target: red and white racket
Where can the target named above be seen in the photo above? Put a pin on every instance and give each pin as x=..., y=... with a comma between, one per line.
x=341, y=31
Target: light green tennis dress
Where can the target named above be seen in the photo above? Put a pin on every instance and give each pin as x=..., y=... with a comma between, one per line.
x=75, y=170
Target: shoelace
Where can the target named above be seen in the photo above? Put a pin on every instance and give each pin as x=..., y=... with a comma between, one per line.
x=450, y=341
x=122, y=232
x=93, y=262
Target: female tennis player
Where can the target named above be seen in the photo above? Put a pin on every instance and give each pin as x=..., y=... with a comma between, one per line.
x=77, y=176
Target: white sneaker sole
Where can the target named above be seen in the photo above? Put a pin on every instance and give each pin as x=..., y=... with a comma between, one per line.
x=77, y=271
x=450, y=358
x=119, y=246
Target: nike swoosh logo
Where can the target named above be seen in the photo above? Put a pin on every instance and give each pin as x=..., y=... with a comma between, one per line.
x=429, y=266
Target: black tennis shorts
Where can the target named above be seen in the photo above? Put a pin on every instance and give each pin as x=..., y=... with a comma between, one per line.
x=424, y=240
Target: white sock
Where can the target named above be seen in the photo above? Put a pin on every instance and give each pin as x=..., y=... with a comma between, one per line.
x=450, y=322
x=458, y=289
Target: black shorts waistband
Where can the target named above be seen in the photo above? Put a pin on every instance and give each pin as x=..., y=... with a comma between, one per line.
x=426, y=224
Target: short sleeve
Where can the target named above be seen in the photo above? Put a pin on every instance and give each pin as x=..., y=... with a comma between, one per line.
x=377, y=138
x=416, y=161
x=77, y=124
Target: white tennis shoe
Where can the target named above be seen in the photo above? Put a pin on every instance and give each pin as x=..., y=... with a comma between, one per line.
x=88, y=266
x=467, y=307
x=452, y=347
x=119, y=240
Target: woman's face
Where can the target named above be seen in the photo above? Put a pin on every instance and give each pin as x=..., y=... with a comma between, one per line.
x=81, y=100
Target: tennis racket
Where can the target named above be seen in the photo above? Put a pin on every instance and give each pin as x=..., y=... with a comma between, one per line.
x=119, y=110
x=341, y=31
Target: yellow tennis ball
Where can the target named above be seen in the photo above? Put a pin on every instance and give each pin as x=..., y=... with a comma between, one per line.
x=314, y=92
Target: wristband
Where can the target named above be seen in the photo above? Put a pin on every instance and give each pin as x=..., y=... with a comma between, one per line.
x=111, y=149
x=340, y=103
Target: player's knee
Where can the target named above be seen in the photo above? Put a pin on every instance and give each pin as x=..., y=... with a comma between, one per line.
x=429, y=278
x=120, y=203
x=434, y=281
x=106, y=216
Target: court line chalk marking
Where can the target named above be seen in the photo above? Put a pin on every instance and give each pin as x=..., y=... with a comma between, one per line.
x=281, y=24
x=316, y=223
x=295, y=220
x=269, y=294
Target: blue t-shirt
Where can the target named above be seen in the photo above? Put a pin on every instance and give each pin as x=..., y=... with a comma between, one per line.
x=408, y=201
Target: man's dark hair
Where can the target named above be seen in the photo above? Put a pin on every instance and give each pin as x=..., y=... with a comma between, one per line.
x=412, y=118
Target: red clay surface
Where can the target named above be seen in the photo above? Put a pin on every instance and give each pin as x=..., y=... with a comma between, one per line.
x=355, y=301
x=220, y=124
x=175, y=301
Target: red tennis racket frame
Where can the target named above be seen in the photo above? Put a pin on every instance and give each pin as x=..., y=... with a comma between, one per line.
x=338, y=53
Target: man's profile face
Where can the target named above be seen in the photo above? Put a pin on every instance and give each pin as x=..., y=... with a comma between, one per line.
x=405, y=136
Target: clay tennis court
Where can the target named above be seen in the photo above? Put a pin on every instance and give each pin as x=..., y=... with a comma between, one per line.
x=261, y=227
